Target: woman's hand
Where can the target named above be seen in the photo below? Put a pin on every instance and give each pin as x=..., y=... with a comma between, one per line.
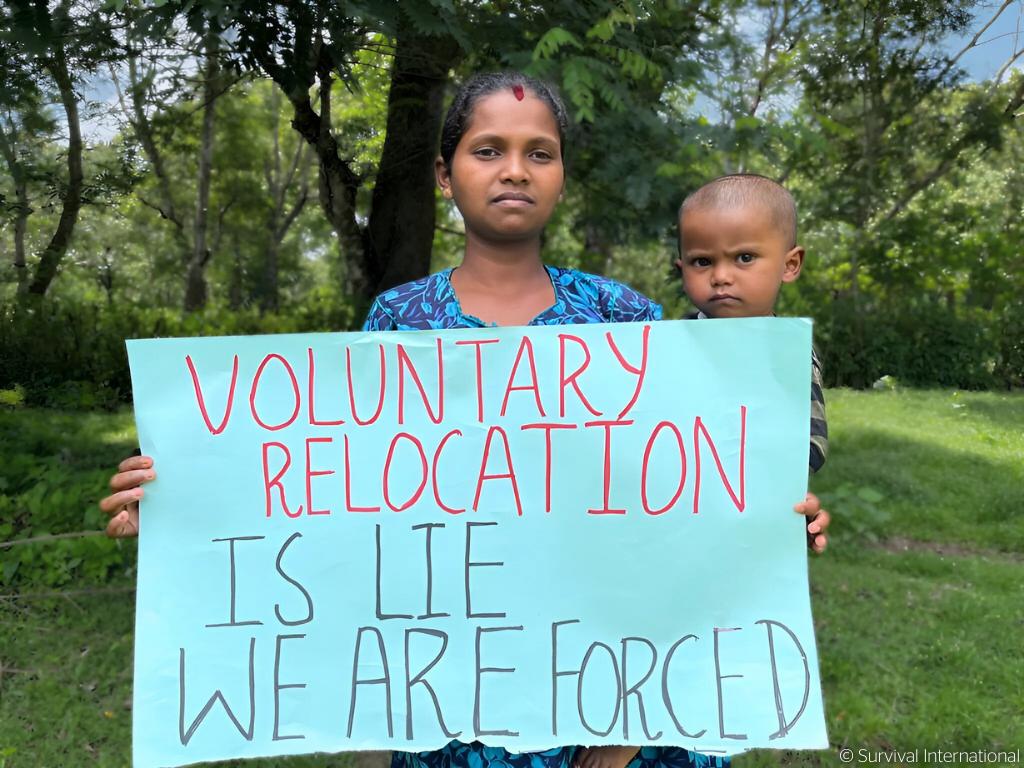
x=818, y=520
x=123, y=504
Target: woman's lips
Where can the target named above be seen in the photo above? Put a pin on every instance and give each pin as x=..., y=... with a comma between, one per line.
x=513, y=200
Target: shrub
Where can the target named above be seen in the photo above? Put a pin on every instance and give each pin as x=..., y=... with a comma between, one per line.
x=54, y=468
x=72, y=355
x=921, y=345
x=12, y=398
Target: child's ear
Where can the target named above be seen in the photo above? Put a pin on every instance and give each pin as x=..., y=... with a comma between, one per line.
x=793, y=263
x=444, y=178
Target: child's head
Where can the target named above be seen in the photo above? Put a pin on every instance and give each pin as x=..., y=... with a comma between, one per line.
x=737, y=245
x=501, y=155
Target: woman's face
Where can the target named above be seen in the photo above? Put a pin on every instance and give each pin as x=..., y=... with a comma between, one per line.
x=506, y=174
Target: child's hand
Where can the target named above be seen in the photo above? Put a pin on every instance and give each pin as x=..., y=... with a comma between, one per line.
x=604, y=757
x=818, y=520
x=123, y=504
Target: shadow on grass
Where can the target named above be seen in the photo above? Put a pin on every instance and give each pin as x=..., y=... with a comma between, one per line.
x=1004, y=411
x=924, y=491
x=86, y=439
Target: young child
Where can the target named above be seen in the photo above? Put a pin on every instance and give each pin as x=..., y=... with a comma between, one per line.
x=737, y=246
x=501, y=164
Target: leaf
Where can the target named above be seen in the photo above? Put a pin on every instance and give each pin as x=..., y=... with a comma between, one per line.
x=604, y=30
x=553, y=41
x=10, y=568
x=870, y=495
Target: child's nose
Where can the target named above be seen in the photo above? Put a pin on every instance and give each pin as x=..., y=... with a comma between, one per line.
x=721, y=274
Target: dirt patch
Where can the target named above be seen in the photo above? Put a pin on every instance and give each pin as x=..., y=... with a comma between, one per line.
x=899, y=544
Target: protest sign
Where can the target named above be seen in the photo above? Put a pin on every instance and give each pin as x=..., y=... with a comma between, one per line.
x=528, y=537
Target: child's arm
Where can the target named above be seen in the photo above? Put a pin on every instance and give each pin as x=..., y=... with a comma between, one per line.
x=819, y=427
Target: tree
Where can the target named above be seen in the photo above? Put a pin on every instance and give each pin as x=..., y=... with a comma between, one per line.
x=617, y=63
x=149, y=68
x=619, y=66
x=883, y=115
x=302, y=46
x=54, y=42
x=287, y=180
x=24, y=128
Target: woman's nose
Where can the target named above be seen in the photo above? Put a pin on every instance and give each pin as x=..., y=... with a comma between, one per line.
x=515, y=169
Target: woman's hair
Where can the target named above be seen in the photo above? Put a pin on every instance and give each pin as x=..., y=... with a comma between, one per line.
x=484, y=84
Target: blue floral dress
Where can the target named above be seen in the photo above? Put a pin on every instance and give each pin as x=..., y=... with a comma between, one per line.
x=431, y=304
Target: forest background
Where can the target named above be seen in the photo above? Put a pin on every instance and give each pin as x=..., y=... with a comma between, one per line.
x=208, y=167
x=199, y=167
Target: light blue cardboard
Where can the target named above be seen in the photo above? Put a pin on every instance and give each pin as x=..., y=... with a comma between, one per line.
x=528, y=537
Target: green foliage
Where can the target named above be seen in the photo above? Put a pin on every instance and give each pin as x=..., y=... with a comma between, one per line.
x=72, y=354
x=908, y=179
x=53, y=471
x=13, y=397
x=617, y=66
x=552, y=40
x=919, y=345
x=1010, y=365
x=862, y=509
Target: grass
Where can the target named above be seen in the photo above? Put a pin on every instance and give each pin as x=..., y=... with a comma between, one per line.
x=949, y=466
x=919, y=603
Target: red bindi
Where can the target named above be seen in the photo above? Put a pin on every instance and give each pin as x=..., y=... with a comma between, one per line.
x=517, y=90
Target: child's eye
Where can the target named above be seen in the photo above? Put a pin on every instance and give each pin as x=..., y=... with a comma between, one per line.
x=746, y=258
x=700, y=261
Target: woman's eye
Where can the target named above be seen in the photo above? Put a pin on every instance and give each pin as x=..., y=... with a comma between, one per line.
x=746, y=258
x=541, y=155
x=487, y=152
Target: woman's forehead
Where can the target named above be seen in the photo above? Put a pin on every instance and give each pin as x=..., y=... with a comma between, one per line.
x=502, y=113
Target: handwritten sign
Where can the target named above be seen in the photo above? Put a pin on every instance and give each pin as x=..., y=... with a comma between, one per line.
x=528, y=537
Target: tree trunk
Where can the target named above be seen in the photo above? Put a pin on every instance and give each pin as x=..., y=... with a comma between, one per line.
x=396, y=244
x=276, y=190
x=279, y=183
x=269, y=295
x=7, y=148
x=51, y=257
x=195, y=277
x=338, y=183
x=105, y=275
x=237, y=278
x=401, y=226
x=20, y=227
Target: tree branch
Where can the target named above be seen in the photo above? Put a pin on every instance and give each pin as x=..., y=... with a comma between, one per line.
x=49, y=261
x=963, y=143
x=49, y=537
x=974, y=40
x=1002, y=70
x=66, y=594
x=140, y=124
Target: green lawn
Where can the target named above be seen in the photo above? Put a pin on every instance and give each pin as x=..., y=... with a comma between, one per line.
x=919, y=602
